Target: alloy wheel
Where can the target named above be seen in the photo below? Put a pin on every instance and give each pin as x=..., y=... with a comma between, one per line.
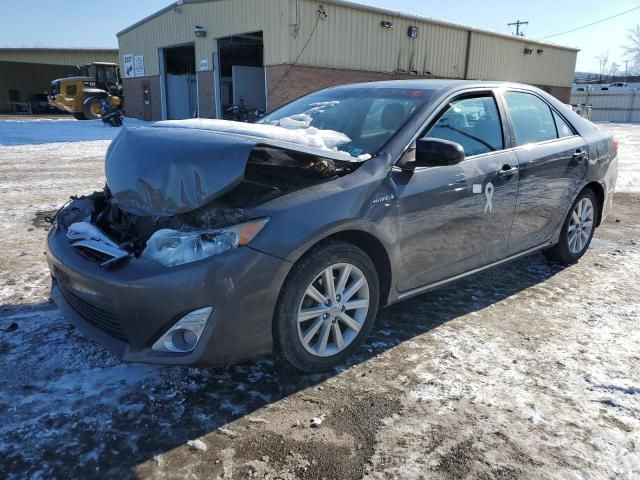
x=580, y=225
x=333, y=309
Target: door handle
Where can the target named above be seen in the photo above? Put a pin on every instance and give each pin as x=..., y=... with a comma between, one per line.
x=580, y=155
x=507, y=170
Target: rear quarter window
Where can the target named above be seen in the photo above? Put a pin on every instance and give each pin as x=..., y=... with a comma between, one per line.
x=564, y=130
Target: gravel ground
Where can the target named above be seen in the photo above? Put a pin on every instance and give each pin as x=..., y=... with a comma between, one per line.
x=529, y=370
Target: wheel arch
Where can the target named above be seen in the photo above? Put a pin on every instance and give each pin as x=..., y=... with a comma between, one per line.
x=598, y=190
x=376, y=251
x=94, y=92
x=369, y=244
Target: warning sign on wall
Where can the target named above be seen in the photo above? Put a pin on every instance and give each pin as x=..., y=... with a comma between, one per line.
x=138, y=65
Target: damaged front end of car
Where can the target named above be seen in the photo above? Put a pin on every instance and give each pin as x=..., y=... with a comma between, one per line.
x=157, y=266
x=177, y=195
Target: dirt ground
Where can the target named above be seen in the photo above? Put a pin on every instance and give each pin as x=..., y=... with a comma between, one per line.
x=527, y=371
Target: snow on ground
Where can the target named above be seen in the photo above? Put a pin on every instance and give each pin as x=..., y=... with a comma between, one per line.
x=629, y=152
x=526, y=371
x=28, y=132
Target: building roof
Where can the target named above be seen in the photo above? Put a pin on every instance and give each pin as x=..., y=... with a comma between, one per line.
x=368, y=8
x=55, y=49
x=58, y=56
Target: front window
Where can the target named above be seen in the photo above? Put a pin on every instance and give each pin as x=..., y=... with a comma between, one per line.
x=473, y=123
x=368, y=116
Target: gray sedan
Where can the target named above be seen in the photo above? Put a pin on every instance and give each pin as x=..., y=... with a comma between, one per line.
x=214, y=241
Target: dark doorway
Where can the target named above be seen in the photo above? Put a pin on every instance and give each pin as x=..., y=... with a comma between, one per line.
x=180, y=82
x=241, y=75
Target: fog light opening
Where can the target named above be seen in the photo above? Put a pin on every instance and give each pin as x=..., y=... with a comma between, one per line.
x=183, y=340
x=183, y=337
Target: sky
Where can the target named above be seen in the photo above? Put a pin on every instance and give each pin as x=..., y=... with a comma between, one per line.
x=90, y=23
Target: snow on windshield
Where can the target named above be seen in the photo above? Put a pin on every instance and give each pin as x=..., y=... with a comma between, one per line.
x=294, y=129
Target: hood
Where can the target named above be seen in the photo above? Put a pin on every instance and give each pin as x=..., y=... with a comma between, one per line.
x=154, y=171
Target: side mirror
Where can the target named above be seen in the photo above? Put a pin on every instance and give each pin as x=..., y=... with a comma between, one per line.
x=435, y=152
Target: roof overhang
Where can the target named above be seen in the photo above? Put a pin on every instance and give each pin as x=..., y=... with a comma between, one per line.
x=369, y=8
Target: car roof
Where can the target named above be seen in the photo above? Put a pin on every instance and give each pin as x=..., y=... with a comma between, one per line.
x=438, y=84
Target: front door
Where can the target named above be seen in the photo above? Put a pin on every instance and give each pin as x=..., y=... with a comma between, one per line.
x=456, y=218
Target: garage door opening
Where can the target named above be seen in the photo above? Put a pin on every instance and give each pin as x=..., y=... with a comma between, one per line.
x=180, y=82
x=241, y=82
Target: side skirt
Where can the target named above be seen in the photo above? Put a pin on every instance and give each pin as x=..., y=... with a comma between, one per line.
x=431, y=286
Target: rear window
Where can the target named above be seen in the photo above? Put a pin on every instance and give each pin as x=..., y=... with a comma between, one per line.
x=368, y=116
x=531, y=118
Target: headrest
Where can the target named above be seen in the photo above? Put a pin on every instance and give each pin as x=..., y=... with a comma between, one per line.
x=392, y=116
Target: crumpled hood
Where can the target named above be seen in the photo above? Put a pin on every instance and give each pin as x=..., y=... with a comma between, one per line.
x=155, y=171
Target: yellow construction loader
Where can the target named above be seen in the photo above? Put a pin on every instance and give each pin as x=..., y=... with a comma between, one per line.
x=82, y=95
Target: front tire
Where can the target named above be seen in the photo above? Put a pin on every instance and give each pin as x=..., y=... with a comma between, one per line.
x=92, y=109
x=327, y=306
x=577, y=230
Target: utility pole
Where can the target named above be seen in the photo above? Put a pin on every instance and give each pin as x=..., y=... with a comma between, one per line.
x=626, y=66
x=517, y=24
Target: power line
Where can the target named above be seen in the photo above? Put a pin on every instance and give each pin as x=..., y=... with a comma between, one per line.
x=308, y=40
x=321, y=15
x=590, y=24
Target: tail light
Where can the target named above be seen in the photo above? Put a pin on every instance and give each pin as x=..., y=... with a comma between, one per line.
x=615, y=144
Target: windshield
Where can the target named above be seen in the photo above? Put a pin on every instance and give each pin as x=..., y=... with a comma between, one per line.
x=367, y=117
x=107, y=74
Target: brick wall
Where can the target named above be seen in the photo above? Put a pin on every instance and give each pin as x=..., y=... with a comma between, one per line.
x=285, y=83
x=206, y=95
x=134, y=97
x=134, y=100
x=561, y=93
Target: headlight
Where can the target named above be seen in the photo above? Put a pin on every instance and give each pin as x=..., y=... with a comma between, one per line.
x=172, y=247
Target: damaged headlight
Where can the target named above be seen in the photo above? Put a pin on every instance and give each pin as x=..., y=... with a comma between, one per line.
x=173, y=247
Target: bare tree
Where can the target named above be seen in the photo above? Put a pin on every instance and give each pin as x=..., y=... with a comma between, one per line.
x=614, y=70
x=632, y=50
x=603, y=60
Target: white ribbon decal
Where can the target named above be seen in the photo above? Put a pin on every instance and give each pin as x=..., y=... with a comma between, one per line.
x=488, y=192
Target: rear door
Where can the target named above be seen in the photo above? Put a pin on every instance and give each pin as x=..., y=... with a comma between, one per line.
x=552, y=159
x=458, y=217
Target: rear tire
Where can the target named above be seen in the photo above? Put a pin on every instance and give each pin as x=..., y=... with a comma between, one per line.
x=79, y=116
x=346, y=307
x=577, y=230
x=91, y=108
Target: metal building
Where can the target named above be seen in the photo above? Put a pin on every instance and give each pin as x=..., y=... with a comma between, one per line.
x=196, y=57
x=26, y=73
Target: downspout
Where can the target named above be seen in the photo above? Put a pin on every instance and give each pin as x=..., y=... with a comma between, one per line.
x=468, y=54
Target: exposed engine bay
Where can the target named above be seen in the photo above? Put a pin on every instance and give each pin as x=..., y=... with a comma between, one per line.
x=269, y=172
